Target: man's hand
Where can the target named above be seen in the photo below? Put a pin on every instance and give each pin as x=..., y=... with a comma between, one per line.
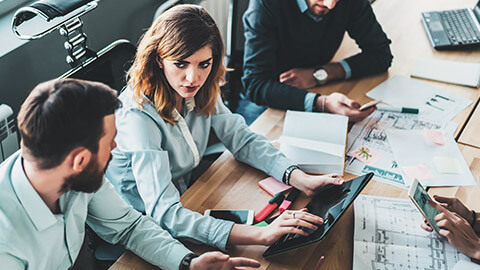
x=311, y=184
x=340, y=104
x=216, y=260
x=299, y=77
x=287, y=223
x=458, y=231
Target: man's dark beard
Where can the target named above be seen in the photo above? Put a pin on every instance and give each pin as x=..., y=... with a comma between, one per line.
x=89, y=180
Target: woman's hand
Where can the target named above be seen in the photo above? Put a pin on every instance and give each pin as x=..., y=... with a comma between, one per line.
x=287, y=223
x=457, y=230
x=311, y=184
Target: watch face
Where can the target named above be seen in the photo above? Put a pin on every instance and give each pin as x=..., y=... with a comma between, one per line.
x=320, y=75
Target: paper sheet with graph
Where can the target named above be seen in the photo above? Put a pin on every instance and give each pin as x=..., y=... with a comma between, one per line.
x=388, y=236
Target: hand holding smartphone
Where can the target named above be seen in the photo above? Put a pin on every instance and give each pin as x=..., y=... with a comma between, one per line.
x=370, y=104
x=420, y=198
x=237, y=216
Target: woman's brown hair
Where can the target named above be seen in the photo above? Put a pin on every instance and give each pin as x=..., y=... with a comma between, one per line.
x=175, y=35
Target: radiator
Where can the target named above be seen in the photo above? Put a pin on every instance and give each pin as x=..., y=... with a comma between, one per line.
x=8, y=132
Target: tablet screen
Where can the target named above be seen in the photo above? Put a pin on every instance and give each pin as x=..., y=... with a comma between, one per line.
x=329, y=204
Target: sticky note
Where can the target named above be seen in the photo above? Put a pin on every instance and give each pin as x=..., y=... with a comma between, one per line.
x=447, y=165
x=419, y=171
x=435, y=136
x=273, y=186
x=366, y=155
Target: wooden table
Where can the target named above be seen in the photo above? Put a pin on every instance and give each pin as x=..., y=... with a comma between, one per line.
x=471, y=134
x=229, y=184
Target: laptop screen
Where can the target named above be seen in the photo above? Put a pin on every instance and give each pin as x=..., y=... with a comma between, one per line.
x=476, y=11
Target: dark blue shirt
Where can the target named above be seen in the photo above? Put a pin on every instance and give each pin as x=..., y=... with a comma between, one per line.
x=279, y=37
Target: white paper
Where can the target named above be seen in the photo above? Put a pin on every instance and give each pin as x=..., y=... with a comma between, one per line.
x=410, y=147
x=466, y=265
x=434, y=104
x=329, y=148
x=372, y=133
x=315, y=141
x=461, y=73
x=387, y=235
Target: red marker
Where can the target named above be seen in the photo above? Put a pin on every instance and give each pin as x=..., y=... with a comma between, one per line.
x=289, y=200
x=272, y=204
x=319, y=263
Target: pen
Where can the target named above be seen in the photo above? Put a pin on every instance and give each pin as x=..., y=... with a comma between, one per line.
x=271, y=205
x=382, y=107
x=289, y=200
x=319, y=262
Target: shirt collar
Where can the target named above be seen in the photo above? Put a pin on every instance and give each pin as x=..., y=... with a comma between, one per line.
x=302, y=5
x=36, y=209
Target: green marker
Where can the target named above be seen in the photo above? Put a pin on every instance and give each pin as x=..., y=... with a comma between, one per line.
x=382, y=107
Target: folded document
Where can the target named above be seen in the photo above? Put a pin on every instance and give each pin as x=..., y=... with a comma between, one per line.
x=315, y=141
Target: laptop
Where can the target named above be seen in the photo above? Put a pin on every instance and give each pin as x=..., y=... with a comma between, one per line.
x=330, y=204
x=454, y=28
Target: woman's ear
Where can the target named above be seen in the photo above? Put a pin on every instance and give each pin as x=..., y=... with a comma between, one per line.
x=159, y=62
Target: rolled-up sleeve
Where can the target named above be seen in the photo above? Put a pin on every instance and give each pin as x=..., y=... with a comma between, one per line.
x=151, y=169
x=116, y=222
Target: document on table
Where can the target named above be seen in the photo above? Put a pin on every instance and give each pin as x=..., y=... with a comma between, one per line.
x=412, y=149
x=387, y=235
x=315, y=141
x=455, y=72
x=371, y=132
x=434, y=104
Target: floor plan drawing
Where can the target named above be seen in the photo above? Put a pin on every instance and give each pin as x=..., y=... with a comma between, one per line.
x=388, y=236
x=371, y=132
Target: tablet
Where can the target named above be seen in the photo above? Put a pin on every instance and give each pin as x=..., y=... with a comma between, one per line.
x=330, y=204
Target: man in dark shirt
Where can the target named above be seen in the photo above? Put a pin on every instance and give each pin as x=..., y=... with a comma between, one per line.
x=289, y=45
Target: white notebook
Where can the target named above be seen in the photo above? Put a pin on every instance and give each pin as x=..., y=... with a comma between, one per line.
x=315, y=141
x=460, y=73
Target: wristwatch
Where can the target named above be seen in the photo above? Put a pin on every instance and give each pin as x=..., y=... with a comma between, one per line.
x=320, y=75
x=185, y=263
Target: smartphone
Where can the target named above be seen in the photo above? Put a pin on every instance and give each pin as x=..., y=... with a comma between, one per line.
x=420, y=198
x=237, y=216
x=370, y=104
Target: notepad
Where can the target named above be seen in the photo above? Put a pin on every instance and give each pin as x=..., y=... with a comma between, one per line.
x=461, y=73
x=315, y=141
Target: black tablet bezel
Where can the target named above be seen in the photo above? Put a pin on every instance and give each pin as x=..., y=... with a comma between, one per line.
x=280, y=246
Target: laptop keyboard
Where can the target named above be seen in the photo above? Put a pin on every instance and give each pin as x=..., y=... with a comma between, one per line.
x=459, y=26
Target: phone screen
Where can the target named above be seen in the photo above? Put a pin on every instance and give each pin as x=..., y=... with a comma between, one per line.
x=421, y=197
x=237, y=216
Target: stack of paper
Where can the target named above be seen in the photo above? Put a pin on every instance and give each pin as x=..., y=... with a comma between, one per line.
x=315, y=141
x=448, y=71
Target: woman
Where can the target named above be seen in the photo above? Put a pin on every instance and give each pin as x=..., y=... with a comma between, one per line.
x=171, y=104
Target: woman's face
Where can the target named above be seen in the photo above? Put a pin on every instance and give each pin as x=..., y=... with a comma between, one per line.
x=188, y=75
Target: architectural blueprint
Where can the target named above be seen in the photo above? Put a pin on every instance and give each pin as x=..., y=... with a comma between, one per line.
x=371, y=132
x=388, y=236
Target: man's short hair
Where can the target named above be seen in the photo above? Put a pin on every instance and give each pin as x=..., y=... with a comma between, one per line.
x=61, y=115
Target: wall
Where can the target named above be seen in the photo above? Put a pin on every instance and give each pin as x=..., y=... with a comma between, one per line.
x=44, y=59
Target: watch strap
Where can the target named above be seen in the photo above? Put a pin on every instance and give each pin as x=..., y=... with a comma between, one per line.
x=185, y=263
